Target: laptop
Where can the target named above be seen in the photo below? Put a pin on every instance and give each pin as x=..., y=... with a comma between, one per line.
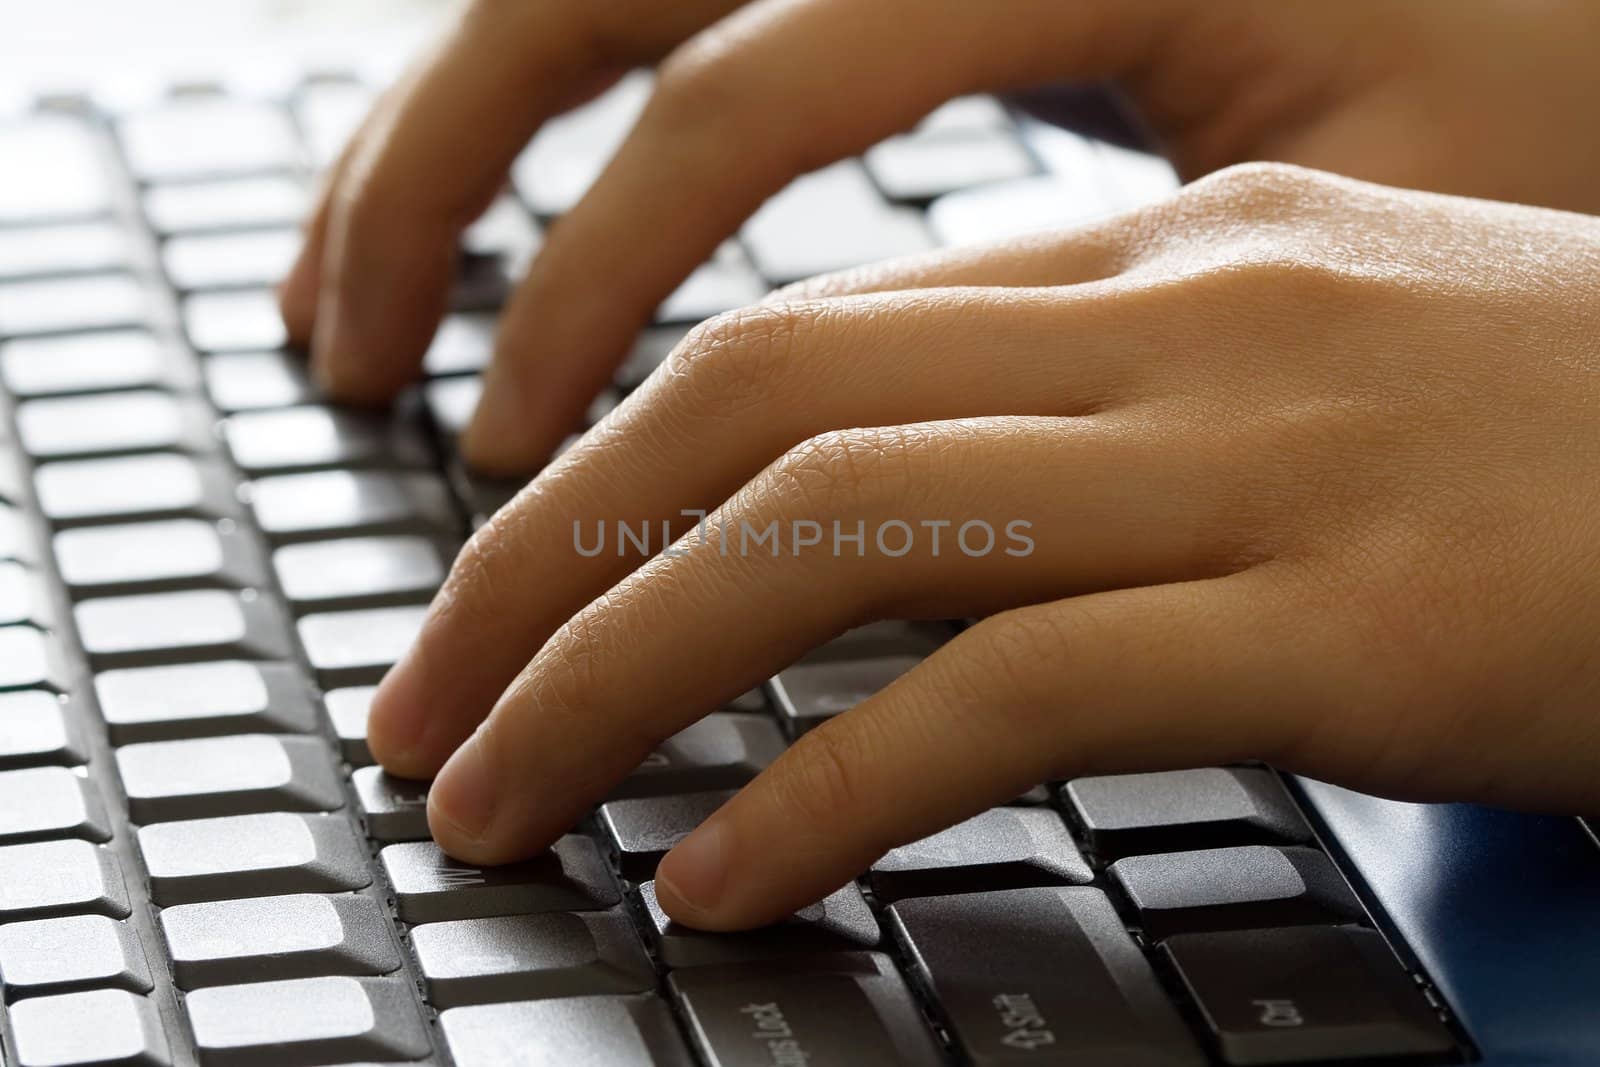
x=204, y=569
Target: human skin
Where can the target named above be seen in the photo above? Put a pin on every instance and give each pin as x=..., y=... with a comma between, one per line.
x=1308, y=462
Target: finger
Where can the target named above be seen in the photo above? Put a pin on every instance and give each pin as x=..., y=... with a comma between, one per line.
x=441, y=155
x=1140, y=679
x=854, y=71
x=739, y=392
x=687, y=632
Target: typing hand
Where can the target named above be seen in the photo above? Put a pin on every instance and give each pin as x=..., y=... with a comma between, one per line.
x=1308, y=469
x=1482, y=98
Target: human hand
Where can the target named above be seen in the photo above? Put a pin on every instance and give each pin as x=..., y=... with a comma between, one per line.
x=1484, y=98
x=1309, y=467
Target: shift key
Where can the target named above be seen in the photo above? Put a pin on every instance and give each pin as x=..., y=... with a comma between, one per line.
x=1041, y=976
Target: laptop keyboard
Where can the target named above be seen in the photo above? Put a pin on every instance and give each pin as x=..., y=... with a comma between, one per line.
x=204, y=569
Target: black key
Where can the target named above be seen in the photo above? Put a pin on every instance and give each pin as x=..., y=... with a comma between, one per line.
x=721, y=751
x=1234, y=888
x=840, y=922
x=644, y=829
x=812, y=692
x=569, y=1032
x=394, y=809
x=1044, y=975
x=1305, y=994
x=1170, y=811
x=847, y=1008
x=431, y=887
x=1003, y=848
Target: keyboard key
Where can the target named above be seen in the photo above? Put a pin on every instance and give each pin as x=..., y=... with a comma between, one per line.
x=479, y=495
x=650, y=349
x=30, y=659
x=812, y=692
x=432, y=887
x=451, y=402
x=166, y=627
x=843, y=1008
x=1172, y=811
x=230, y=260
x=727, y=282
x=1045, y=975
x=356, y=647
x=1233, y=889
x=48, y=956
x=329, y=112
x=34, y=731
x=527, y=957
x=324, y=574
x=65, y=176
x=251, y=855
x=234, y=322
x=153, y=486
x=998, y=212
x=1305, y=993
x=922, y=166
x=330, y=503
x=85, y=363
x=52, y=878
x=495, y=251
x=167, y=780
x=228, y=204
x=347, y=711
x=46, y=802
x=393, y=809
x=721, y=751
x=207, y=137
x=154, y=556
x=70, y=248
x=140, y=420
x=270, y=938
x=1003, y=848
x=644, y=829
x=829, y=220
x=569, y=1032
x=60, y=305
x=24, y=599
x=569, y=151
x=840, y=922
x=202, y=700
x=292, y=438
x=306, y=1021
x=463, y=344
x=94, y=1029
x=965, y=114
x=250, y=381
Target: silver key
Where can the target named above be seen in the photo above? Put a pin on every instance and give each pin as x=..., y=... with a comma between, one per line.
x=569, y=152
x=570, y=1032
x=59, y=305
x=394, y=809
x=166, y=780
x=924, y=165
x=35, y=730
x=44, y=802
x=266, y=938
x=841, y=921
x=812, y=692
x=311, y=436
x=31, y=659
x=726, y=282
x=721, y=751
x=329, y=503
x=234, y=322
x=251, y=381
x=230, y=260
x=24, y=597
x=451, y=402
x=203, y=699
x=47, y=956
x=347, y=711
x=17, y=540
x=356, y=647
x=140, y=420
x=67, y=248
x=153, y=486
x=93, y=1029
x=207, y=137
x=51, y=878
x=1002, y=848
x=148, y=557
x=324, y=574
x=251, y=855
x=429, y=886
x=86, y=363
x=329, y=112
x=526, y=957
x=462, y=345
x=167, y=627
x=226, y=204
x=65, y=176
x=306, y=1021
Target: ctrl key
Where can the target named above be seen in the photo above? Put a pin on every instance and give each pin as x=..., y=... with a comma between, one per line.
x=850, y=1007
x=1302, y=994
x=100, y=1028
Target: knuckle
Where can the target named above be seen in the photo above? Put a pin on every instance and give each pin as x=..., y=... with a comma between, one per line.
x=850, y=471
x=1009, y=652
x=702, y=83
x=1262, y=186
x=737, y=360
x=824, y=779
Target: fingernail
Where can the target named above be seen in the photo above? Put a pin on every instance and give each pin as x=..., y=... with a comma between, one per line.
x=396, y=722
x=464, y=793
x=697, y=870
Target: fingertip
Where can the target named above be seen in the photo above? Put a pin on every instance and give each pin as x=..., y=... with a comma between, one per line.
x=397, y=723
x=692, y=879
x=462, y=806
x=297, y=298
